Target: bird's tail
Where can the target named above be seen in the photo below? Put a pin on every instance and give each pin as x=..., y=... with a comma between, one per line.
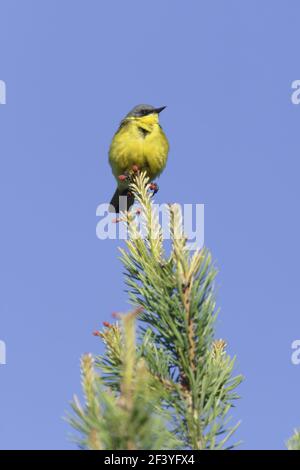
x=122, y=200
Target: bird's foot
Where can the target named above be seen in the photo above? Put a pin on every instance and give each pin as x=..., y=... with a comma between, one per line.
x=154, y=187
x=123, y=177
x=135, y=169
x=128, y=175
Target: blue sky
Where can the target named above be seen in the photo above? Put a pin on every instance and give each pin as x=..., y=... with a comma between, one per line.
x=72, y=70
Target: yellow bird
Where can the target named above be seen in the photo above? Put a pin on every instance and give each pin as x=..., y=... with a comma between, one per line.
x=139, y=143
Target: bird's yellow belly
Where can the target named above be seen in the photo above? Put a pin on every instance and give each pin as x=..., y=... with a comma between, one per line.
x=148, y=153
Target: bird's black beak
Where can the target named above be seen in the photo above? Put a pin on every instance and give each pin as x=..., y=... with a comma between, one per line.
x=159, y=110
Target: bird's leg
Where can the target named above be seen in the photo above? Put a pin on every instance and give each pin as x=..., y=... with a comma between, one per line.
x=154, y=187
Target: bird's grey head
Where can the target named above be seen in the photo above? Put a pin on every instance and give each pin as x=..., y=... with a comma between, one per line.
x=143, y=110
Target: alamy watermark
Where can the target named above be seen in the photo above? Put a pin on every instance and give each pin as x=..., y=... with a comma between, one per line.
x=191, y=215
x=2, y=353
x=295, y=96
x=2, y=92
x=295, y=357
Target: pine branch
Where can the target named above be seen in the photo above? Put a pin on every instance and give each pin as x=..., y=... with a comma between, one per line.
x=174, y=387
x=177, y=295
x=127, y=416
x=294, y=442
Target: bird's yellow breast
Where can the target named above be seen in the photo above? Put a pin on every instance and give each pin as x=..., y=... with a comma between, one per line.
x=142, y=142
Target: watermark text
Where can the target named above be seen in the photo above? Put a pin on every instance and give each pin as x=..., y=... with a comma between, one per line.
x=2, y=353
x=2, y=92
x=295, y=357
x=190, y=224
x=295, y=96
